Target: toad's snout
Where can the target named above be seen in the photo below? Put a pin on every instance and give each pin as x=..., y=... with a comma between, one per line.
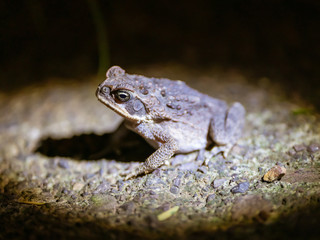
x=97, y=91
x=102, y=90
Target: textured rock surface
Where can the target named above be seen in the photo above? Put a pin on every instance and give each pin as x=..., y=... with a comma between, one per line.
x=275, y=173
x=55, y=181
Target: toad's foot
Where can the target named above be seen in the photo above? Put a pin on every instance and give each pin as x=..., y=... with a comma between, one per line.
x=154, y=161
x=140, y=170
x=167, y=149
x=223, y=150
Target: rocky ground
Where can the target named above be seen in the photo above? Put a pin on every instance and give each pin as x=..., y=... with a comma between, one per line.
x=60, y=173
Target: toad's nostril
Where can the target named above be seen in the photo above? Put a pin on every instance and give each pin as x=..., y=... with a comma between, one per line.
x=104, y=89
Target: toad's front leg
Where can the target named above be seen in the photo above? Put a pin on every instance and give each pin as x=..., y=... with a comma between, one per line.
x=167, y=149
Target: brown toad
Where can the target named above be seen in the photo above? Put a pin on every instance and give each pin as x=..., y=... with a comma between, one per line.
x=170, y=115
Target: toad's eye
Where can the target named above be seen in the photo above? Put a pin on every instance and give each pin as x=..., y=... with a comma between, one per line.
x=122, y=95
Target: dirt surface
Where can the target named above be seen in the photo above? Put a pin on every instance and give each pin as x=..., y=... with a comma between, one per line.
x=60, y=172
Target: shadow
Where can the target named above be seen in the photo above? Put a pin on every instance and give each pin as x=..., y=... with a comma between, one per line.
x=21, y=221
x=122, y=145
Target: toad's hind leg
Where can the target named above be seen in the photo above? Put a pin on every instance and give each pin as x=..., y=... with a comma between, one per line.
x=226, y=129
x=235, y=121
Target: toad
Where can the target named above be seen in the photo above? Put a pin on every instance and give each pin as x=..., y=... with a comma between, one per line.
x=171, y=116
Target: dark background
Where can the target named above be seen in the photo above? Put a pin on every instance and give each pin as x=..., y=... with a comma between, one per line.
x=74, y=39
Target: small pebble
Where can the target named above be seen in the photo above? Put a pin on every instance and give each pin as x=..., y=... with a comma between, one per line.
x=63, y=164
x=210, y=165
x=137, y=198
x=160, y=181
x=205, y=189
x=152, y=192
x=203, y=169
x=313, y=148
x=291, y=152
x=191, y=166
x=180, y=175
x=78, y=186
x=91, y=184
x=120, y=185
x=235, y=177
x=220, y=167
x=85, y=194
x=280, y=164
x=299, y=148
x=100, y=172
x=241, y=188
x=234, y=168
x=150, y=182
x=176, y=182
x=115, y=191
x=218, y=182
x=157, y=172
x=224, y=193
x=102, y=187
x=174, y=190
x=88, y=176
x=187, y=174
x=211, y=198
x=65, y=191
x=178, y=159
x=275, y=173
